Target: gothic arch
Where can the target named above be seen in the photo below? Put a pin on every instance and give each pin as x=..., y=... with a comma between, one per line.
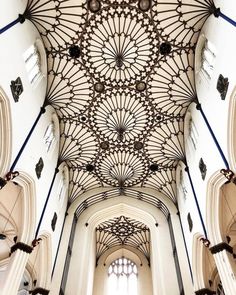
x=232, y=130
x=29, y=205
x=5, y=133
x=40, y=261
x=203, y=265
x=199, y=279
x=213, y=218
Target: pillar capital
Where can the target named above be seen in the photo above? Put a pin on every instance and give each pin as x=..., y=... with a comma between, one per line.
x=21, y=246
x=221, y=247
x=205, y=291
x=39, y=290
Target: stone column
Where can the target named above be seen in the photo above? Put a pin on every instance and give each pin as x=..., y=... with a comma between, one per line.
x=15, y=270
x=224, y=258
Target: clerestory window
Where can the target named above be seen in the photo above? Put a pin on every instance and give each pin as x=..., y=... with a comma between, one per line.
x=122, y=277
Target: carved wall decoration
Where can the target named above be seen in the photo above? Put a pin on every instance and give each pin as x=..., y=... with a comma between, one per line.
x=222, y=86
x=202, y=168
x=16, y=88
x=54, y=221
x=190, y=222
x=39, y=167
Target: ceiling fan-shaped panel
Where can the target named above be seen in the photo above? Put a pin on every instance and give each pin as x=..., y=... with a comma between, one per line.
x=171, y=84
x=121, y=168
x=163, y=181
x=120, y=45
x=59, y=22
x=165, y=144
x=121, y=116
x=180, y=22
x=78, y=145
x=80, y=182
x=69, y=87
x=121, y=231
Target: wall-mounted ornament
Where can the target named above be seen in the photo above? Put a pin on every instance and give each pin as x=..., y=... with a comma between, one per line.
x=190, y=222
x=54, y=221
x=222, y=86
x=39, y=167
x=203, y=168
x=16, y=88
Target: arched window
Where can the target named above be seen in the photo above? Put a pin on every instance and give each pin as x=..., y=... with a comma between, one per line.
x=122, y=277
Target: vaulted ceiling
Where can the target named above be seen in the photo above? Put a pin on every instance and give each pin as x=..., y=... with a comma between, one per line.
x=121, y=77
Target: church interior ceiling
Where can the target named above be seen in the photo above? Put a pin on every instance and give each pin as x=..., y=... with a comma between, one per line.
x=122, y=231
x=120, y=77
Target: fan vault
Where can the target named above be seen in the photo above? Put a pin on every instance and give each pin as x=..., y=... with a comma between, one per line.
x=121, y=77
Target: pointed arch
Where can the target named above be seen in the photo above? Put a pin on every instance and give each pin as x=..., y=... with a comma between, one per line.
x=198, y=262
x=232, y=130
x=5, y=133
x=29, y=206
x=43, y=264
x=215, y=182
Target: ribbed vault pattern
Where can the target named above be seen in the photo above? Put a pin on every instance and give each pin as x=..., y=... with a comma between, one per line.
x=120, y=76
x=122, y=231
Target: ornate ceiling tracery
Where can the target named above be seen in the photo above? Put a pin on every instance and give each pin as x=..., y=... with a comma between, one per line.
x=121, y=77
x=122, y=231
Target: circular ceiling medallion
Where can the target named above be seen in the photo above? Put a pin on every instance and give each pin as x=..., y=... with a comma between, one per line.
x=122, y=168
x=121, y=115
x=120, y=44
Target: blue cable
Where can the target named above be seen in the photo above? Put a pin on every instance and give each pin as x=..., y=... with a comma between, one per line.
x=7, y=27
x=20, y=19
x=229, y=20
